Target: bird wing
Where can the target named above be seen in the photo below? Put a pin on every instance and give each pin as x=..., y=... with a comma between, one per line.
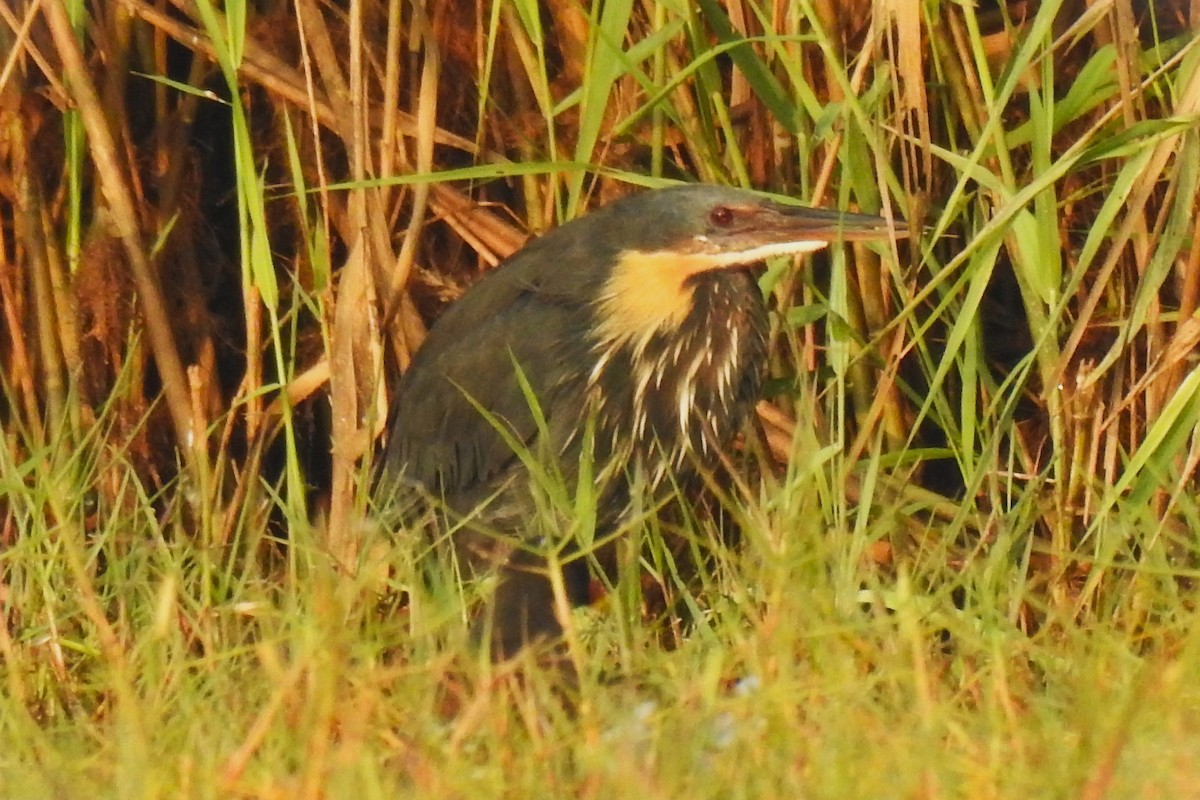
x=439, y=437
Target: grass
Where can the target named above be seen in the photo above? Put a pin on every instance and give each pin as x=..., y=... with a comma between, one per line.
x=147, y=665
x=967, y=534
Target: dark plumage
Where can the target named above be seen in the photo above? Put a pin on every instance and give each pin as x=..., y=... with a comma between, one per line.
x=640, y=323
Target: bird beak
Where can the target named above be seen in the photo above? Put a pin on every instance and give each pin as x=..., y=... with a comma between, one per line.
x=769, y=229
x=779, y=222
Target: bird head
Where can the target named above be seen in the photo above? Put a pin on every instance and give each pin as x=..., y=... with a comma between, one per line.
x=671, y=239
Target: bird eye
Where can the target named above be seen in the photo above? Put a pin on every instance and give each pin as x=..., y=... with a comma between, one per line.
x=721, y=216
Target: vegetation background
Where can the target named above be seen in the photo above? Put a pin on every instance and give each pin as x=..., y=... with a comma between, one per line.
x=969, y=527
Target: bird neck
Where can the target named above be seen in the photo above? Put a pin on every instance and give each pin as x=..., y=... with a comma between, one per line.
x=672, y=400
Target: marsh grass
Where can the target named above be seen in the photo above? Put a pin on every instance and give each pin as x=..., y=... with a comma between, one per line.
x=966, y=527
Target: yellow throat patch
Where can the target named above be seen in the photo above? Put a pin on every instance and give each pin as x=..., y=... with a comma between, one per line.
x=647, y=293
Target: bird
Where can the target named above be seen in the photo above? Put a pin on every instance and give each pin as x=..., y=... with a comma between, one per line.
x=621, y=352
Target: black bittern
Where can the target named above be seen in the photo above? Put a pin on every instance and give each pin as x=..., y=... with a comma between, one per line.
x=634, y=337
